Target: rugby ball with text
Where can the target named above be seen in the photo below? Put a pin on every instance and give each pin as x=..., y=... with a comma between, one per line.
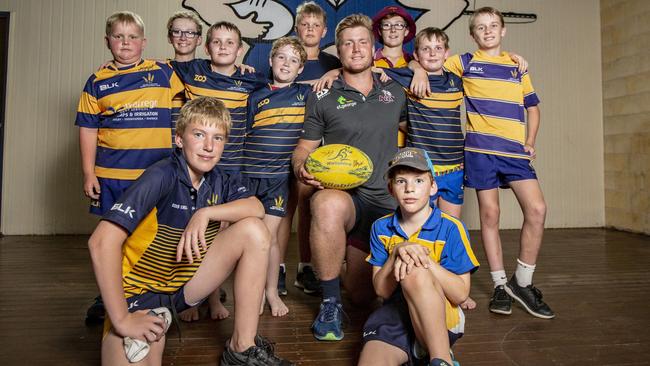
x=339, y=166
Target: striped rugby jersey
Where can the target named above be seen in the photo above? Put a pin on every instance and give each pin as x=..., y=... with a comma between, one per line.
x=131, y=108
x=155, y=210
x=434, y=121
x=448, y=242
x=275, y=119
x=496, y=96
x=233, y=91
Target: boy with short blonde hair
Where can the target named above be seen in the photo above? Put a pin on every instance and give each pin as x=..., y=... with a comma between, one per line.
x=182, y=199
x=275, y=117
x=502, y=124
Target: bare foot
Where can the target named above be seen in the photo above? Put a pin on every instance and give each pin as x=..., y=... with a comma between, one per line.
x=278, y=308
x=190, y=315
x=468, y=304
x=217, y=310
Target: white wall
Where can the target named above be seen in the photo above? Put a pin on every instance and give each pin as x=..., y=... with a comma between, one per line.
x=55, y=45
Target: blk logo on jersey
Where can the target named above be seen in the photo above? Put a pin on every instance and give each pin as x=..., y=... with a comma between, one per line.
x=125, y=210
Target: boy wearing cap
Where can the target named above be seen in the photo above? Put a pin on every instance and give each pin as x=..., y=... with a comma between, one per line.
x=422, y=261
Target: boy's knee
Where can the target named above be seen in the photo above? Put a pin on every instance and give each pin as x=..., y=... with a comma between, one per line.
x=537, y=212
x=417, y=279
x=490, y=215
x=256, y=232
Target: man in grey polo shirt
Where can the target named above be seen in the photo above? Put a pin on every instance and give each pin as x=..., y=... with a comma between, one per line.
x=361, y=111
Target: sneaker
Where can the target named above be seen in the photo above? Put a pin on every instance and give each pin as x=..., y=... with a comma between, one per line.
x=307, y=281
x=501, y=302
x=530, y=297
x=96, y=312
x=253, y=356
x=421, y=356
x=135, y=349
x=328, y=323
x=438, y=362
x=282, y=282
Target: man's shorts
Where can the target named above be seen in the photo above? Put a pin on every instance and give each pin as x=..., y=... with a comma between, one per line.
x=365, y=215
x=450, y=185
x=111, y=190
x=488, y=171
x=391, y=324
x=273, y=193
x=175, y=302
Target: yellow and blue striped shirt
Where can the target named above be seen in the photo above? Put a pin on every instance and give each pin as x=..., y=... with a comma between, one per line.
x=496, y=96
x=131, y=108
x=275, y=119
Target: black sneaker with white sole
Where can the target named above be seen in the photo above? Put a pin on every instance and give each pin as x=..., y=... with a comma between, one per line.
x=258, y=355
x=501, y=302
x=530, y=297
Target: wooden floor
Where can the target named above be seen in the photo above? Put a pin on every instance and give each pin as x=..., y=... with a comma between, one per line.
x=597, y=281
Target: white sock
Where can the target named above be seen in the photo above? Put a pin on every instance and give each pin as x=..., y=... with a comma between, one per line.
x=524, y=273
x=302, y=265
x=499, y=277
x=284, y=268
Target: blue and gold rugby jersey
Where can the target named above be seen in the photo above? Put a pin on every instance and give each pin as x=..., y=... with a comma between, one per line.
x=275, y=119
x=155, y=211
x=446, y=238
x=434, y=121
x=131, y=108
x=233, y=91
x=496, y=95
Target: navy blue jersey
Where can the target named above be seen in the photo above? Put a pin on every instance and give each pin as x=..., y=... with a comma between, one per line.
x=434, y=121
x=155, y=211
x=233, y=91
x=275, y=119
x=314, y=69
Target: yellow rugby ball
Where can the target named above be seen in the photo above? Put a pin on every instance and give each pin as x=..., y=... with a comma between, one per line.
x=339, y=166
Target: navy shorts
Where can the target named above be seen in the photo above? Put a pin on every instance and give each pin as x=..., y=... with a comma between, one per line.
x=365, y=215
x=488, y=171
x=111, y=190
x=273, y=193
x=391, y=324
x=450, y=187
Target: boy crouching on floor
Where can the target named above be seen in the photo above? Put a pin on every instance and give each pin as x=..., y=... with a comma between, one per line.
x=181, y=200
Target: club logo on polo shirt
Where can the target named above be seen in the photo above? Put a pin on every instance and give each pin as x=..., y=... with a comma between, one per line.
x=149, y=81
x=238, y=86
x=344, y=103
x=322, y=93
x=386, y=97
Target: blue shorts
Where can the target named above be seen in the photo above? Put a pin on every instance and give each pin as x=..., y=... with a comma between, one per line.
x=450, y=187
x=391, y=324
x=175, y=302
x=488, y=171
x=111, y=190
x=273, y=193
